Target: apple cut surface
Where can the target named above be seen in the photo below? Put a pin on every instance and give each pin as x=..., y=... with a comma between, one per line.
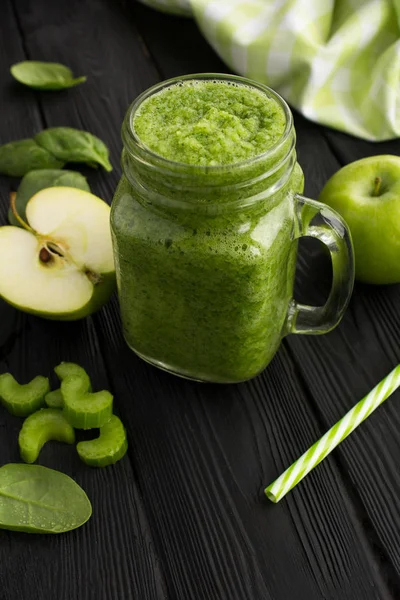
x=60, y=265
x=78, y=221
x=31, y=285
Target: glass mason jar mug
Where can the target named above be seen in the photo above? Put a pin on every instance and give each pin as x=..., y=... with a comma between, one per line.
x=206, y=256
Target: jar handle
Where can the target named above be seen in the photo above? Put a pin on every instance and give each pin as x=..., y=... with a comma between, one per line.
x=313, y=219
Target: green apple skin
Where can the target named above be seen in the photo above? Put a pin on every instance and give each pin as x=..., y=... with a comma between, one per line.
x=373, y=219
x=101, y=295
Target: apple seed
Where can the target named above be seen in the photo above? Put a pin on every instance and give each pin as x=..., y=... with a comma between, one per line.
x=54, y=249
x=45, y=256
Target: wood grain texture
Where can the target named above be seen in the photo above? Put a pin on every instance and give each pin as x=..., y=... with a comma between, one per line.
x=203, y=455
x=183, y=516
x=113, y=555
x=340, y=368
x=348, y=148
x=94, y=39
x=312, y=146
x=359, y=353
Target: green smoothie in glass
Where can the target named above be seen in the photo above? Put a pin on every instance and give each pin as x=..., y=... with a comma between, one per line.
x=205, y=222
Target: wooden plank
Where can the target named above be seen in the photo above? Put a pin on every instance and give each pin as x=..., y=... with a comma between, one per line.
x=112, y=556
x=175, y=43
x=339, y=369
x=321, y=152
x=203, y=453
x=19, y=113
x=19, y=109
x=348, y=148
x=92, y=38
x=202, y=431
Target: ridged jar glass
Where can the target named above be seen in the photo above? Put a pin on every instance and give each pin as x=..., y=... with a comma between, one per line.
x=206, y=256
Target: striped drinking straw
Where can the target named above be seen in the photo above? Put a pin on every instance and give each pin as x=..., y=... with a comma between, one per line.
x=332, y=438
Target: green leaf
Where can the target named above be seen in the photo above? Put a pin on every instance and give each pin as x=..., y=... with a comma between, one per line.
x=35, y=499
x=74, y=145
x=45, y=75
x=17, y=158
x=34, y=181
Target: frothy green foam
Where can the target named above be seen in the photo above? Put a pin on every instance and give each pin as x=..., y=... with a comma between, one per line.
x=209, y=123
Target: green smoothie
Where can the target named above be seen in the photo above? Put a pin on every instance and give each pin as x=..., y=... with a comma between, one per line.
x=206, y=123
x=205, y=260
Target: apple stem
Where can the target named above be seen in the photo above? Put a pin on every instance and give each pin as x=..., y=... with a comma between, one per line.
x=378, y=181
x=13, y=197
x=93, y=277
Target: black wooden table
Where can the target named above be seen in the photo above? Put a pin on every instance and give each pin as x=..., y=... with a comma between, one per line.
x=183, y=516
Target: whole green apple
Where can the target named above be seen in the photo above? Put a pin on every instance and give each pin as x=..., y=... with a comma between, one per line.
x=366, y=193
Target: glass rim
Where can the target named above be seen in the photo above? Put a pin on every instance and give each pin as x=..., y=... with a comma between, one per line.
x=127, y=125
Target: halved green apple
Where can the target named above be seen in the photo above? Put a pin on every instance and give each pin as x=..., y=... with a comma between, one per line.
x=60, y=266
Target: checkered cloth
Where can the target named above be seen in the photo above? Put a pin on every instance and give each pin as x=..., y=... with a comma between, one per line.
x=336, y=61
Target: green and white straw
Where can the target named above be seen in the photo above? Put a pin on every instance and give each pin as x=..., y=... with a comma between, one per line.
x=332, y=438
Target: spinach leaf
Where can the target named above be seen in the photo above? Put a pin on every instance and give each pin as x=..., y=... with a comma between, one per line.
x=34, y=181
x=44, y=75
x=17, y=158
x=35, y=499
x=74, y=145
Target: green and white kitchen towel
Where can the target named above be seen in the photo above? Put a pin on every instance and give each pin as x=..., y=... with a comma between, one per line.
x=336, y=61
